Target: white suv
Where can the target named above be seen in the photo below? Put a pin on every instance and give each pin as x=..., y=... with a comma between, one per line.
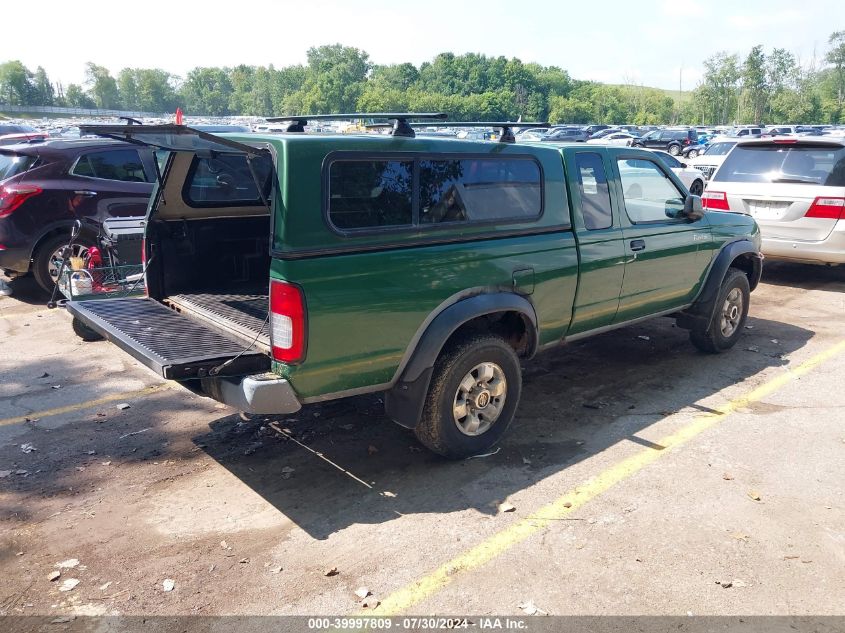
x=794, y=188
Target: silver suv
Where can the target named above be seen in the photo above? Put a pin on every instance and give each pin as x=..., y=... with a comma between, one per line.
x=794, y=188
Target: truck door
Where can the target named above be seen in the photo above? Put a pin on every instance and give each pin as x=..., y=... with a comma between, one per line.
x=666, y=253
x=600, y=241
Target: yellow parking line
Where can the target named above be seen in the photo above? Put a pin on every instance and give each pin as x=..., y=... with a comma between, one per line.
x=502, y=541
x=89, y=404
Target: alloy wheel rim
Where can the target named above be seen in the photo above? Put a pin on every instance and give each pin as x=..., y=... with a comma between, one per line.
x=731, y=313
x=479, y=399
x=55, y=261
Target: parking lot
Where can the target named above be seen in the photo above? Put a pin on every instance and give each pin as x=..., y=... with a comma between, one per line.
x=640, y=477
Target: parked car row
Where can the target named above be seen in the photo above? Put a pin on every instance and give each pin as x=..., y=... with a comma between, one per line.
x=46, y=185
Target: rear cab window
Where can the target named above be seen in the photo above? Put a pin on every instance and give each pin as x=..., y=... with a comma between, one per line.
x=785, y=163
x=224, y=180
x=595, y=197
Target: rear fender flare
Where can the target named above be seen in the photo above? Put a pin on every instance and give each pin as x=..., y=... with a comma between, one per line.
x=404, y=401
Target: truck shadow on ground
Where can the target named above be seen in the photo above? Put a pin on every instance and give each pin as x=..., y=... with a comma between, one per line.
x=577, y=401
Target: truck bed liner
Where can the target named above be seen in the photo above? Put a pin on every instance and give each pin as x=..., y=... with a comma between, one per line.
x=243, y=313
x=174, y=345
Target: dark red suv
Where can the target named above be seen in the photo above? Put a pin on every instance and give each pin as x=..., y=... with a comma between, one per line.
x=45, y=187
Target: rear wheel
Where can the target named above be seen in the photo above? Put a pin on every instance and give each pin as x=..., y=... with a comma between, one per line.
x=728, y=316
x=47, y=260
x=84, y=332
x=697, y=187
x=674, y=150
x=472, y=398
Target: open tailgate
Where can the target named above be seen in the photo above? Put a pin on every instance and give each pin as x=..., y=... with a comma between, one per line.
x=174, y=345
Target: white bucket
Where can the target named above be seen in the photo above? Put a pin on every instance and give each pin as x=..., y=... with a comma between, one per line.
x=81, y=283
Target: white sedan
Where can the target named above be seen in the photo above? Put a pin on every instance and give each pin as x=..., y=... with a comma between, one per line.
x=692, y=178
x=617, y=138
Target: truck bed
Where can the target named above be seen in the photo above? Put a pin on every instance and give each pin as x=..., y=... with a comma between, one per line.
x=243, y=313
x=176, y=346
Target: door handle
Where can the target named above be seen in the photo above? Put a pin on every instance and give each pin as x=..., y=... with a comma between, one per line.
x=86, y=192
x=637, y=245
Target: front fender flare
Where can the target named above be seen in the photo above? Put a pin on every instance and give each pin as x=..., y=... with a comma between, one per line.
x=702, y=308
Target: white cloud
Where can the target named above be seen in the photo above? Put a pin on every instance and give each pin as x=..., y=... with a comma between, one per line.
x=764, y=20
x=683, y=8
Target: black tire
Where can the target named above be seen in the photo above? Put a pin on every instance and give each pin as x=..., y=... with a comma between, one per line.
x=674, y=150
x=438, y=428
x=692, y=153
x=697, y=187
x=84, y=332
x=713, y=337
x=45, y=250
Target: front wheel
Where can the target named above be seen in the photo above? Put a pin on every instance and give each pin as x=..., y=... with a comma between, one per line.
x=728, y=316
x=474, y=392
x=692, y=153
x=696, y=188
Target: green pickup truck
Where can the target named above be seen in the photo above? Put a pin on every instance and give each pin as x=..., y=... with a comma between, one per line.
x=291, y=269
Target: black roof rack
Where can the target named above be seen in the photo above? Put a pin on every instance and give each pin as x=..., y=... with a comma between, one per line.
x=400, y=119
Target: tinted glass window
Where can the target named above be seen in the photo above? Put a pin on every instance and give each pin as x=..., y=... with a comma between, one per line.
x=122, y=164
x=370, y=193
x=14, y=164
x=649, y=194
x=226, y=180
x=785, y=164
x=478, y=190
x=719, y=149
x=595, y=199
x=670, y=161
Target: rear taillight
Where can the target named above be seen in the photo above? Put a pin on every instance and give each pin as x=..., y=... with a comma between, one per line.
x=287, y=322
x=828, y=208
x=716, y=200
x=13, y=196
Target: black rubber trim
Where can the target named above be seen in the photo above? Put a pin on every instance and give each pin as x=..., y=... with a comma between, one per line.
x=447, y=322
x=718, y=270
x=171, y=344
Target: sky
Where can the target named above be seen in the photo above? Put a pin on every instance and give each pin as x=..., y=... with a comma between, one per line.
x=659, y=43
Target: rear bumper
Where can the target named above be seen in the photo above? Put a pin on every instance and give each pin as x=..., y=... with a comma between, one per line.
x=261, y=393
x=828, y=251
x=15, y=259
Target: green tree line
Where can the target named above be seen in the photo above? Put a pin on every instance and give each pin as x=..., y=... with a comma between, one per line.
x=771, y=88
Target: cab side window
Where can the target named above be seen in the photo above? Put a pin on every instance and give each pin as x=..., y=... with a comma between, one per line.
x=595, y=198
x=124, y=165
x=649, y=194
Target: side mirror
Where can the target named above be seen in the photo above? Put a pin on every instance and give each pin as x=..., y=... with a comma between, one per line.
x=684, y=165
x=693, y=208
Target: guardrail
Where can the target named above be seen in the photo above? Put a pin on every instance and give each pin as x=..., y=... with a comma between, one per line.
x=77, y=111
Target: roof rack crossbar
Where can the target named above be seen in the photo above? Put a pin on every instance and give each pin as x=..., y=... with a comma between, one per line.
x=507, y=135
x=297, y=123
